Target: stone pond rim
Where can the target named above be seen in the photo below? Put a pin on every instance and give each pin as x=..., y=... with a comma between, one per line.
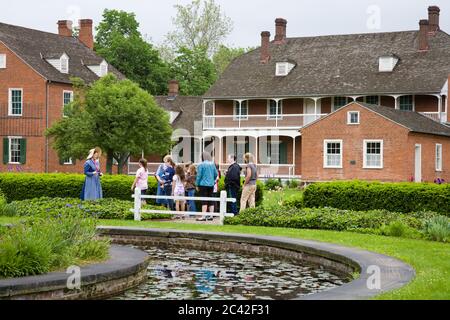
x=394, y=273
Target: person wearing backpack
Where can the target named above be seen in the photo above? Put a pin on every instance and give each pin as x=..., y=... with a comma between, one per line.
x=233, y=181
x=249, y=190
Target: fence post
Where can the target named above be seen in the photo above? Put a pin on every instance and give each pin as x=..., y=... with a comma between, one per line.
x=223, y=206
x=137, y=204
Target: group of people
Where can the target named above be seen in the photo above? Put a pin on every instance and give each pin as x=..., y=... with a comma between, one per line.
x=183, y=181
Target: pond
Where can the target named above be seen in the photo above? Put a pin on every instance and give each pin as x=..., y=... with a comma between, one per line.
x=185, y=274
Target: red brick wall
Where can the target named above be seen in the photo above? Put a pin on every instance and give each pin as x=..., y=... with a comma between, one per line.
x=372, y=126
x=428, y=142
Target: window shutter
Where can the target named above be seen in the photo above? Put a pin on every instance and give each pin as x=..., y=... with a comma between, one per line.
x=23, y=151
x=5, y=150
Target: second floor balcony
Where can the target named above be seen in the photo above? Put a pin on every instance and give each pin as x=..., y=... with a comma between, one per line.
x=295, y=113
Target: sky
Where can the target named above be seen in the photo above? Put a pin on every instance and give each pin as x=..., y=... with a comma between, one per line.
x=250, y=17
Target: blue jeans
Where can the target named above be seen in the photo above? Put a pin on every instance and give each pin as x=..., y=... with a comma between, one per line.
x=233, y=193
x=191, y=203
x=170, y=202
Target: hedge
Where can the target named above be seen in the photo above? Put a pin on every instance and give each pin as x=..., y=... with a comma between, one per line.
x=364, y=196
x=23, y=186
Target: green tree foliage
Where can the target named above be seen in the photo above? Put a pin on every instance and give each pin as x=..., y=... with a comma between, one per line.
x=194, y=70
x=224, y=55
x=115, y=115
x=119, y=41
x=199, y=24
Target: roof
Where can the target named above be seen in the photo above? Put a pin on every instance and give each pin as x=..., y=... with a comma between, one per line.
x=34, y=46
x=339, y=65
x=190, y=109
x=413, y=121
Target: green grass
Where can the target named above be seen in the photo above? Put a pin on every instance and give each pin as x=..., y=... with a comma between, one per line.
x=274, y=197
x=431, y=260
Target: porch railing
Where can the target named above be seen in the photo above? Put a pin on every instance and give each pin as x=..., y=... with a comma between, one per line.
x=436, y=116
x=259, y=121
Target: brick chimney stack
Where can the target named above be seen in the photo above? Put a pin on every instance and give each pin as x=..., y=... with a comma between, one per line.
x=423, y=35
x=65, y=28
x=265, y=42
x=280, y=29
x=174, y=88
x=433, y=18
x=86, y=35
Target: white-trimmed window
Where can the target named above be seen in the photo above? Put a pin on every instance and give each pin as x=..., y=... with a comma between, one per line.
x=373, y=154
x=68, y=161
x=406, y=103
x=16, y=150
x=274, y=110
x=2, y=61
x=240, y=110
x=15, y=105
x=332, y=154
x=372, y=100
x=339, y=102
x=353, y=117
x=387, y=63
x=438, y=157
x=64, y=60
x=67, y=99
x=103, y=68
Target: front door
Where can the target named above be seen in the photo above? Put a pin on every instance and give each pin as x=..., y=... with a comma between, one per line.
x=310, y=111
x=418, y=163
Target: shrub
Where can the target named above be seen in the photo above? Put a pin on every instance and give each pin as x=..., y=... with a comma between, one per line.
x=25, y=186
x=46, y=243
x=2, y=201
x=364, y=196
x=292, y=184
x=102, y=209
x=294, y=201
x=395, y=229
x=323, y=218
x=273, y=184
x=437, y=229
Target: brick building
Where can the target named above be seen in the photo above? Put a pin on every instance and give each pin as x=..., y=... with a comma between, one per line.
x=35, y=72
x=266, y=96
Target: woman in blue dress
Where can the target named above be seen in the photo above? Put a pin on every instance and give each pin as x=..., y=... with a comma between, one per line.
x=92, y=188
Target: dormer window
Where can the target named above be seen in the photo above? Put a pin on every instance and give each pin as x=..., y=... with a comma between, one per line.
x=2, y=61
x=283, y=68
x=173, y=115
x=64, y=60
x=387, y=63
x=100, y=70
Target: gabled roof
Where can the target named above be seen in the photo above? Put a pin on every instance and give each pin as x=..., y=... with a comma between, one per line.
x=339, y=65
x=413, y=121
x=34, y=47
x=190, y=110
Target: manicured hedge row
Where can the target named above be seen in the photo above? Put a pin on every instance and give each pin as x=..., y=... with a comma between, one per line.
x=22, y=186
x=363, y=196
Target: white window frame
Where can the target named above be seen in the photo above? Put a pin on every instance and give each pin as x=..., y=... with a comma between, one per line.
x=64, y=61
x=10, y=149
x=349, y=118
x=348, y=100
x=373, y=95
x=71, y=100
x=2, y=60
x=274, y=116
x=10, y=113
x=104, y=65
x=325, y=154
x=237, y=117
x=381, y=166
x=439, y=160
x=70, y=162
x=413, y=102
x=280, y=65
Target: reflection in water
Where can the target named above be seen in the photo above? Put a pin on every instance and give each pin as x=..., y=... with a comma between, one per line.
x=182, y=274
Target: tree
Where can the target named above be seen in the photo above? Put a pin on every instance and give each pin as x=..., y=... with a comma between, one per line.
x=115, y=115
x=194, y=71
x=224, y=55
x=200, y=24
x=119, y=41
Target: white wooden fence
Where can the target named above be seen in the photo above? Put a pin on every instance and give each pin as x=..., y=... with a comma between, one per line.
x=223, y=200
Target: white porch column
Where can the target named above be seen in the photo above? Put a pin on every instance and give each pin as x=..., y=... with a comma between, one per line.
x=256, y=150
x=294, y=154
x=440, y=108
x=397, y=102
x=220, y=151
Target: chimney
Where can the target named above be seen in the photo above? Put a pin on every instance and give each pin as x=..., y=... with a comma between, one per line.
x=174, y=88
x=265, y=42
x=280, y=29
x=86, y=36
x=423, y=35
x=65, y=28
x=433, y=18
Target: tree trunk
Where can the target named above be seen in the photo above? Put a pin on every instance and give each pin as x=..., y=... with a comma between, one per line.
x=109, y=162
x=122, y=161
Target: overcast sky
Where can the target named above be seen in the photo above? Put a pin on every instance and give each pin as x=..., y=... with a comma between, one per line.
x=250, y=17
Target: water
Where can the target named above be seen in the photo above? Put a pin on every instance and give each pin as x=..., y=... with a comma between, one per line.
x=184, y=274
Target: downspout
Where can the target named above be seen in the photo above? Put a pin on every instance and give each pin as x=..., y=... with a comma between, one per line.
x=46, y=123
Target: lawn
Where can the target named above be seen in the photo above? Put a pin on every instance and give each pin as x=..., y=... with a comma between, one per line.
x=274, y=197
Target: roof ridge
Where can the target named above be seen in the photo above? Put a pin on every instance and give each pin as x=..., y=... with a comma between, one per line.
x=40, y=31
x=355, y=34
